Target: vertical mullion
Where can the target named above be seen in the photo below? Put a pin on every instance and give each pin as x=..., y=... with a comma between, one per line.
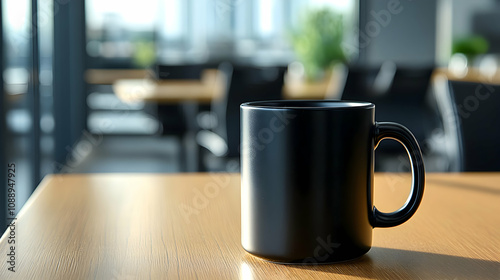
x=35, y=95
x=68, y=79
x=3, y=162
x=77, y=41
x=363, y=8
x=61, y=73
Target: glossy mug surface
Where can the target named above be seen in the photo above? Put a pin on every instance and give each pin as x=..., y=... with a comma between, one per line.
x=307, y=179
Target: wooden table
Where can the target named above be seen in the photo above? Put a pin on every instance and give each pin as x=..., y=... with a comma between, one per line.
x=300, y=89
x=109, y=76
x=209, y=87
x=186, y=93
x=144, y=226
x=130, y=86
x=473, y=75
x=204, y=91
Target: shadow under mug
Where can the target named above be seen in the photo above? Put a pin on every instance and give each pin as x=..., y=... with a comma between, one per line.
x=307, y=179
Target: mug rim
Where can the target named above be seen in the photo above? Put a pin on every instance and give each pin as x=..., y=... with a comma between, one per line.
x=316, y=104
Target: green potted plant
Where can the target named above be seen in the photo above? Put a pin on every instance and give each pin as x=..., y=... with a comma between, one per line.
x=464, y=52
x=470, y=46
x=317, y=41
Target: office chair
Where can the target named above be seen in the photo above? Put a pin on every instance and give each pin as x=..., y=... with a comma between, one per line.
x=246, y=83
x=406, y=102
x=476, y=116
x=179, y=72
x=172, y=116
x=358, y=84
x=399, y=95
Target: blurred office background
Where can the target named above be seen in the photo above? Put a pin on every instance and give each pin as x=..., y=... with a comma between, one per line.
x=154, y=85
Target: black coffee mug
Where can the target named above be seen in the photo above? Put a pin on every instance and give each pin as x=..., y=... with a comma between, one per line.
x=307, y=179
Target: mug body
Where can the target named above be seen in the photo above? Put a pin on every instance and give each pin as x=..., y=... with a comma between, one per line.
x=307, y=175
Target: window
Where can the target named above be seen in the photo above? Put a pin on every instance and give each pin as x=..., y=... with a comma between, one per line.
x=186, y=30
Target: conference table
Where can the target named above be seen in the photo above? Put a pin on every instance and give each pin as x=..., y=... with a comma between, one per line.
x=187, y=226
x=208, y=88
x=134, y=86
x=189, y=94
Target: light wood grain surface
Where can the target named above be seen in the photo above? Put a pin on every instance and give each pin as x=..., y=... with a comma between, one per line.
x=135, y=226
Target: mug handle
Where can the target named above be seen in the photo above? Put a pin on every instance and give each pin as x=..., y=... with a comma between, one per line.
x=384, y=130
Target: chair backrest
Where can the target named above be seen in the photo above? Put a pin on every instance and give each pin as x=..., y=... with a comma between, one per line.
x=477, y=115
x=410, y=84
x=359, y=84
x=247, y=83
x=406, y=102
x=179, y=72
x=172, y=116
x=399, y=94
